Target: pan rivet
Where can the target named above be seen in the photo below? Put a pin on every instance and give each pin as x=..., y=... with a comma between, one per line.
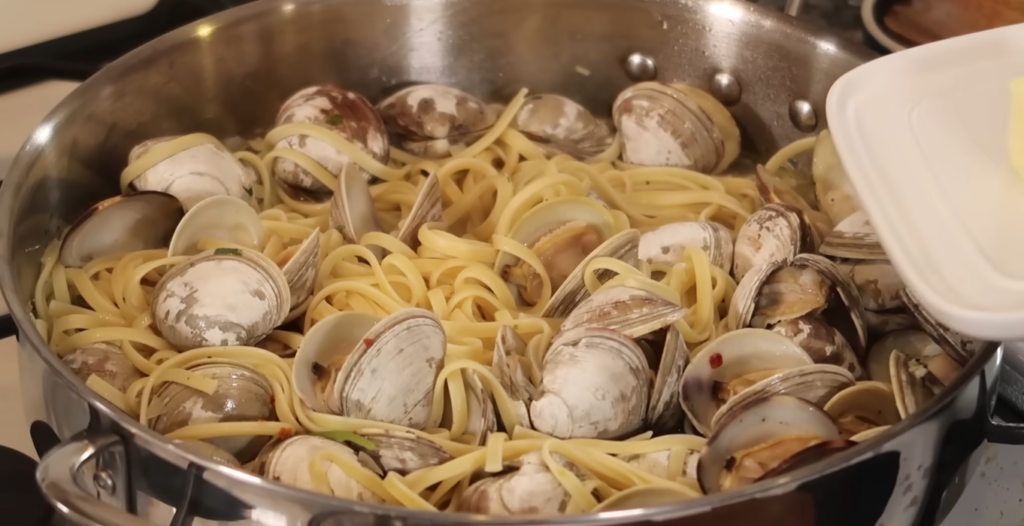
x=726, y=89
x=104, y=482
x=801, y=113
x=640, y=67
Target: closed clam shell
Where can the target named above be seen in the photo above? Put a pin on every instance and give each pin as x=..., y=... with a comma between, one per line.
x=959, y=347
x=221, y=297
x=730, y=357
x=773, y=234
x=529, y=490
x=342, y=111
x=816, y=384
x=111, y=227
x=661, y=126
x=863, y=406
x=666, y=244
x=560, y=125
x=429, y=119
x=509, y=351
x=325, y=347
x=722, y=119
x=299, y=265
x=665, y=413
x=242, y=395
x=632, y=312
x=222, y=217
x=595, y=383
x=288, y=462
x=408, y=349
x=106, y=361
x=822, y=342
x=402, y=452
x=915, y=344
x=853, y=238
x=776, y=292
x=877, y=283
x=194, y=174
x=836, y=196
x=481, y=419
x=426, y=209
x=352, y=212
x=765, y=424
x=622, y=246
x=913, y=385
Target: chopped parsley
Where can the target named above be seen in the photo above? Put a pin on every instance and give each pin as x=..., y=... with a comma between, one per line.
x=340, y=229
x=227, y=252
x=345, y=436
x=334, y=120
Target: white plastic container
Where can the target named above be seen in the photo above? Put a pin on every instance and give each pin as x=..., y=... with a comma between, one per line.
x=923, y=135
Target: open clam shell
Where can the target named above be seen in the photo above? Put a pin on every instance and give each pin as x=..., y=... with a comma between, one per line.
x=121, y=224
x=915, y=344
x=816, y=384
x=289, y=462
x=481, y=419
x=816, y=224
x=343, y=112
x=836, y=196
x=595, y=383
x=731, y=363
x=807, y=456
x=194, y=174
x=509, y=351
x=622, y=246
x=299, y=265
x=771, y=235
x=822, y=342
x=665, y=413
x=560, y=125
x=221, y=297
x=959, y=347
x=862, y=407
x=853, y=238
x=665, y=245
x=913, y=384
x=430, y=120
x=352, y=212
x=878, y=324
x=426, y=209
x=753, y=442
x=723, y=120
x=341, y=361
x=401, y=452
x=242, y=395
x=106, y=361
x=877, y=283
x=632, y=312
x=221, y=217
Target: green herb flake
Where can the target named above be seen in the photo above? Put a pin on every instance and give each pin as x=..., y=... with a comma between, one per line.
x=340, y=229
x=345, y=436
x=334, y=120
x=227, y=252
x=248, y=190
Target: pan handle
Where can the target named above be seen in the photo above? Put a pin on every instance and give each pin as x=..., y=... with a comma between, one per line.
x=62, y=476
x=1011, y=392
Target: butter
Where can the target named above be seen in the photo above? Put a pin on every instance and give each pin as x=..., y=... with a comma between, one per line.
x=1017, y=126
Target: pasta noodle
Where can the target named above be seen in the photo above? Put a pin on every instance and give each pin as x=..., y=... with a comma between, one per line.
x=486, y=188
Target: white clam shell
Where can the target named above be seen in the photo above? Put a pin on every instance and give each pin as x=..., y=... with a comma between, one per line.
x=403, y=452
x=822, y=342
x=106, y=361
x=529, y=490
x=728, y=357
x=432, y=120
x=915, y=344
x=913, y=385
x=219, y=299
x=288, y=462
x=326, y=345
x=426, y=209
x=622, y=246
x=771, y=235
x=560, y=125
x=959, y=347
x=594, y=384
x=853, y=238
x=864, y=403
x=632, y=312
x=301, y=268
x=112, y=227
x=665, y=413
x=666, y=244
x=195, y=174
x=836, y=196
x=509, y=353
x=352, y=211
x=657, y=463
x=769, y=419
x=222, y=217
x=877, y=283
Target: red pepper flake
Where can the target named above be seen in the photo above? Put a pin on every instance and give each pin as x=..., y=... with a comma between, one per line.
x=367, y=341
x=715, y=360
x=284, y=433
x=273, y=400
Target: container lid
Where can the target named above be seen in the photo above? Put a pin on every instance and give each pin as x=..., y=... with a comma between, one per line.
x=924, y=136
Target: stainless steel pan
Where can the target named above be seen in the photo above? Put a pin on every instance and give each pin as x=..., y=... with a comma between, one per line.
x=227, y=74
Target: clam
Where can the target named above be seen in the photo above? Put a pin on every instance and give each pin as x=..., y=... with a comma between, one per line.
x=807, y=456
x=426, y=209
x=106, y=361
x=223, y=218
x=753, y=442
x=342, y=359
x=481, y=419
x=959, y=347
x=121, y=224
x=594, y=384
x=836, y=196
x=560, y=125
x=853, y=238
x=913, y=384
x=817, y=223
x=242, y=394
x=917, y=345
x=879, y=324
x=399, y=451
x=648, y=319
x=509, y=368
x=204, y=170
x=822, y=342
x=774, y=233
x=431, y=120
x=862, y=407
x=291, y=461
x=730, y=364
x=665, y=245
x=807, y=284
x=675, y=125
x=565, y=234
x=341, y=111
x=225, y=296
x=529, y=489
x=877, y=283
x=661, y=463
x=299, y=264
x=209, y=451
